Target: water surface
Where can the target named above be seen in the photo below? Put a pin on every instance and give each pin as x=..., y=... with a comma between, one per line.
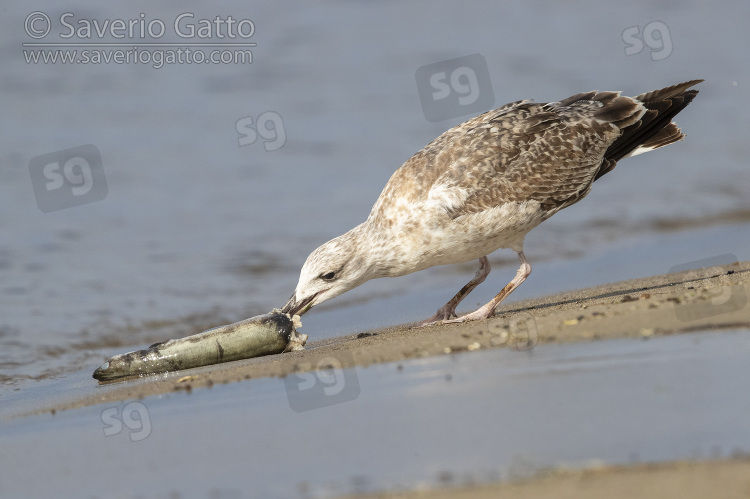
x=197, y=230
x=458, y=419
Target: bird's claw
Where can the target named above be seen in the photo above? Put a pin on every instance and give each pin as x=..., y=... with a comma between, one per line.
x=439, y=318
x=479, y=314
x=457, y=320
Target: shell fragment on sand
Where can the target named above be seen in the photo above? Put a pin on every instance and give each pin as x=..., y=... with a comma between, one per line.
x=261, y=335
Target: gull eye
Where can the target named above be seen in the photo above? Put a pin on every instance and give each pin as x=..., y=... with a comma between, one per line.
x=328, y=276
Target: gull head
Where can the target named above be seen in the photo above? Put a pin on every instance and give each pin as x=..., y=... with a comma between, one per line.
x=332, y=269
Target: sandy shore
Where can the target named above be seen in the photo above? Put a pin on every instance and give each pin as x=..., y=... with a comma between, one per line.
x=698, y=300
x=678, y=480
x=714, y=298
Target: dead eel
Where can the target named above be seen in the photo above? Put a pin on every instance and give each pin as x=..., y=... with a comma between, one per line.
x=266, y=334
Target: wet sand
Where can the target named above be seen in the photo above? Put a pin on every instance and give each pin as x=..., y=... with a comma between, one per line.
x=678, y=480
x=701, y=301
x=694, y=300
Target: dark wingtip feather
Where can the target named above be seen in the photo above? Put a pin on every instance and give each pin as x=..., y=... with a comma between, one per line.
x=667, y=135
x=654, y=128
x=666, y=93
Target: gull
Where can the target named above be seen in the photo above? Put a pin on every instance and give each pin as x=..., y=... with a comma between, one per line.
x=484, y=184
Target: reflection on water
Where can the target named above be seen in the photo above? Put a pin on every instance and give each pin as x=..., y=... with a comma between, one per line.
x=200, y=220
x=453, y=420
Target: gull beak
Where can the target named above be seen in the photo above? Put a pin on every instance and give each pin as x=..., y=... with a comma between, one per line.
x=294, y=307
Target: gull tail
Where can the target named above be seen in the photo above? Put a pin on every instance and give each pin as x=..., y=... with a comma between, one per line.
x=653, y=128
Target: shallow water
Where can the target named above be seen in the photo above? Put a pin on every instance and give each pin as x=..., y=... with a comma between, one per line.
x=196, y=230
x=507, y=414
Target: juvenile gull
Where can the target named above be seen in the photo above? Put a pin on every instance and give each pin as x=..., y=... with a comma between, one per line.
x=484, y=184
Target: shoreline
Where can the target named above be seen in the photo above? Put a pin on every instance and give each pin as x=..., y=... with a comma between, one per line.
x=725, y=478
x=710, y=299
x=638, y=308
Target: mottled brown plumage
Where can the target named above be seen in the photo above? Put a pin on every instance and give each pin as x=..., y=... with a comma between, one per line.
x=484, y=184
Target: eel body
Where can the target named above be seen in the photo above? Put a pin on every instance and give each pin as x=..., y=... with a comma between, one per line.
x=266, y=334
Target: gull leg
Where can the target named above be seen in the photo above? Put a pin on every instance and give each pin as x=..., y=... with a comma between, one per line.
x=449, y=309
x=488, y=310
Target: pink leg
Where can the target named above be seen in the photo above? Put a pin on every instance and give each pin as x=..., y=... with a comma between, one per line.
x=449, y=309
x=488, y=310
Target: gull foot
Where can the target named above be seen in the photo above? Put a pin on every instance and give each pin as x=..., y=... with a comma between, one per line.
x=478, y=314
x=439, y=318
